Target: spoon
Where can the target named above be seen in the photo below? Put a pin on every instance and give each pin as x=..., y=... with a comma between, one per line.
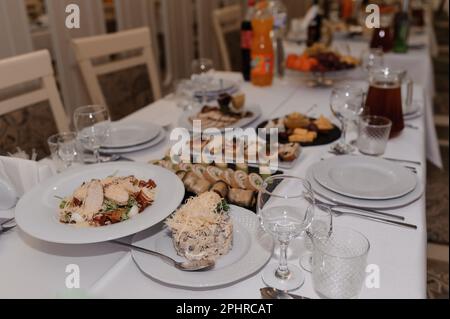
x=195, y=265
x=273, y=293
x=8, y=196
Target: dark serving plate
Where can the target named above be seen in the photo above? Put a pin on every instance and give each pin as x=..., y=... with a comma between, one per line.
x=323, y=137
x=251, y=169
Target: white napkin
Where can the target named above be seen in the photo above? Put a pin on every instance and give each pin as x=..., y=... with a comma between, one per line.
x=23, y=174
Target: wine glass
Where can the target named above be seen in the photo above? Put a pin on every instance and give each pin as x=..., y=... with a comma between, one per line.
x=200, y=69
x=183, y=95
x=285, y=208
x=321, y=227
x=372, y=58
x=347, y=104
x=92, y=123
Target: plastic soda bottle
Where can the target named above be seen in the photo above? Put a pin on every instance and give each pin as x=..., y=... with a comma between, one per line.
x=262, y=48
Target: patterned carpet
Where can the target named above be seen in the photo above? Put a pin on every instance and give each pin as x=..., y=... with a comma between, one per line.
x=437, y=182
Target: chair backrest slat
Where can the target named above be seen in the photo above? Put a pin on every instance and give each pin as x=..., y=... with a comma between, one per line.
x=28, y=67
x=90, y=48
x=226, y=20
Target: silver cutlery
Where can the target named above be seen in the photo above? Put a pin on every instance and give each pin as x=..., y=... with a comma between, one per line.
x=376, y=219
x=358, y=209
x=4, y=227
x=200, y=265
x=272, y=293
x=109, y=158
x=412, y=126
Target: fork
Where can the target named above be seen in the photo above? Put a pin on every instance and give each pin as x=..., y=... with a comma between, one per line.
x=376, y=219
x=358, y=209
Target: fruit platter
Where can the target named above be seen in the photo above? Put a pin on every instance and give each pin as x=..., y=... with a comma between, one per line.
x=322, y=63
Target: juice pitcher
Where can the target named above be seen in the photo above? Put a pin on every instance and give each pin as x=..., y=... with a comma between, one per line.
x=385, y=96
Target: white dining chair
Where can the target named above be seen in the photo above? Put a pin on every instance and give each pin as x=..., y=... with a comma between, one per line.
x=23, y=69
x=104, y=46
x=226, y=20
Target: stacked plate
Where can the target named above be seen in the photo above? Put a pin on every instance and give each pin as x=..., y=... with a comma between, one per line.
x=215, y=88
x=365, y=182
x=131, y=137
x=414, y=111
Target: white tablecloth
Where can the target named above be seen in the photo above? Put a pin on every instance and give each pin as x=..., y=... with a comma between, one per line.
x=31, y=268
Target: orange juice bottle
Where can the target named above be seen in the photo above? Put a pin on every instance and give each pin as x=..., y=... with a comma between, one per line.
x=262, y=48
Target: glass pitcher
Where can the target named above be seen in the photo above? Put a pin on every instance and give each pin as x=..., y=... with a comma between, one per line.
x=385, y=96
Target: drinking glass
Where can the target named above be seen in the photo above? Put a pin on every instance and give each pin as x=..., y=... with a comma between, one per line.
x=184, y=95
x=285, y=208
x=373, y=134
x=92, y=123
x=63, y=149
x=347, y=104
x=339, y=263
x=200, y=69
x=372, y=58
x=321, y=227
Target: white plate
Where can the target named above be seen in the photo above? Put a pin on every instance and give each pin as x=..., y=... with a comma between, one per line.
x=130, y=134
x=413, y=116
x=37, y=210
x=365, y=203
x=255, y=109
x=158, y=139
x=364, y=177
x=215, y=87
x=252, y=249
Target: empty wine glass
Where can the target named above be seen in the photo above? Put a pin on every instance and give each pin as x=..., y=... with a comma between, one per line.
x=285, y=207
x=92, y=123
x=200, y=69
x=347, y=104
x=372, y=58
x=321, y=227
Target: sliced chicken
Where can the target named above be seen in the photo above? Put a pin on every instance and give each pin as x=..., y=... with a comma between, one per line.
x=127, y=184
x=117, y=193
x=94, y=199
x=80, y=192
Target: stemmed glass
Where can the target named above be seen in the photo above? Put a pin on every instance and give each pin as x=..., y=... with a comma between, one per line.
x=321, y=227
x=184, y=95
x=372, y=58
x=200, y=69
x=92, y=123
x=347, y=104
x=285, y=208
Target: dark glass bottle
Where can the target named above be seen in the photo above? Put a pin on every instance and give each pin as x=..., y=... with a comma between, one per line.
x=246, y=41
x=315, y=26
x=401, y=29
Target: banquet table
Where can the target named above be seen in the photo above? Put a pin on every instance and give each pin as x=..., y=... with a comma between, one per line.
x=34, y=269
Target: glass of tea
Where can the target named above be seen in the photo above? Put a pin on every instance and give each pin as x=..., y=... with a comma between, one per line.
x=384, y=97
